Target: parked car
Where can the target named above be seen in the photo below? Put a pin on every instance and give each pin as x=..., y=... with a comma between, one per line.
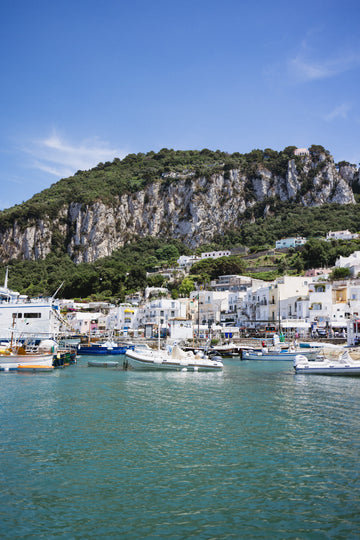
x=321, y=332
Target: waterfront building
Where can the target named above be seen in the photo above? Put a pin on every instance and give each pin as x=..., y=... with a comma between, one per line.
x=83, y=322
x=122, y=318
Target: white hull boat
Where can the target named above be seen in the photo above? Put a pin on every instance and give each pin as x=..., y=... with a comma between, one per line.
x=343, y=365
x=280, y=355
x=22, y=362
x=171, y=359
x=18, y=357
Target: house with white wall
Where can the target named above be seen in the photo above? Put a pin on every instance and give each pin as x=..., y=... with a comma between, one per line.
x=87, y=322
x=122, y=318
x=341, y=235
x=215, y=254
x=290, y=242
x=352, y=263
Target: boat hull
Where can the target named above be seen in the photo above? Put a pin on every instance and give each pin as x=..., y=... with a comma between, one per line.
x=344, y=365
x=279, y=357
x=100, y=363
x=14, y=361
x=344, y=371
x=99, y=350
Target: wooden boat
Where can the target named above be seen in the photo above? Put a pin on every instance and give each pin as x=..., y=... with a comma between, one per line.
x=15, y=356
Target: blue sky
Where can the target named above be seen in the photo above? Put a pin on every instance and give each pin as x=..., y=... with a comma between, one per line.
x=85, y=81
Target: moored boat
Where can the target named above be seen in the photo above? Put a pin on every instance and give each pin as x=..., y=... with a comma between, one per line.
x=108, y=347
x=14, y=361
x=279, y=355
x=103, y=363
x=18, y=356
x=343, y=365
x=172, y=358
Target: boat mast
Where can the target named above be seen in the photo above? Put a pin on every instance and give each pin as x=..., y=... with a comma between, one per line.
x=159, y=330
x=6, y=278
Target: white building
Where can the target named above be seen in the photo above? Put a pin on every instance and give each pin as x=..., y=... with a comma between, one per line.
x=122, y=318
x=215, y=254
x=301, y=152
x=185, y=262
x=181, y=329
x=341, y=235
x=162, y=310
x=290, y=242
x=352, y=262
x=87, y=322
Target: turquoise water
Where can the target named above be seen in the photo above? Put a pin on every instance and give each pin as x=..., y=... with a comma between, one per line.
x=253, y=452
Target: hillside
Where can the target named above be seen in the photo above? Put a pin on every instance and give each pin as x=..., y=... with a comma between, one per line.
x=195, y=197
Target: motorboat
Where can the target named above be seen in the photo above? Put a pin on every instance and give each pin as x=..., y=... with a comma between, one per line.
x=107, y=347
x=103, y=363
x=343, y=365
x=171, y=358
x=279, y=354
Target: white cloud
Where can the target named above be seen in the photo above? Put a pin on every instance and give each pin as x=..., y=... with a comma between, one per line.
x=58, y=157
x=339, y=112
x=308, y=65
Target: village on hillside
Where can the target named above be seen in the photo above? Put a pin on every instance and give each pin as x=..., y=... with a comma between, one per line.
x=233, y=306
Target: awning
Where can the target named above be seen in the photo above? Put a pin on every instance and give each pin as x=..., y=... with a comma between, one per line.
x=295, y=324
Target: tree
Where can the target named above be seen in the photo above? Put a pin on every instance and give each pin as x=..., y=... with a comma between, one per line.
x=186, y=287
x=340, y=273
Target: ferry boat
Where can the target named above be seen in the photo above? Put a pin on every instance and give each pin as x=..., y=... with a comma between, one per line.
x=24, y=316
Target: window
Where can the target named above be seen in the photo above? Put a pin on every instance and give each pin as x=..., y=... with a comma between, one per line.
x=32, y=315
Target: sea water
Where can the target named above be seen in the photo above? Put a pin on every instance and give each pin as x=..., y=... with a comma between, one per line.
x=254, y=452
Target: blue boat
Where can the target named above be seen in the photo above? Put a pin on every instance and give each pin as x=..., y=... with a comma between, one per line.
x=108, y=347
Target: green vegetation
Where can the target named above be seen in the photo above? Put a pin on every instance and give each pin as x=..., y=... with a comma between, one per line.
x=110, y=180
x=134, y=266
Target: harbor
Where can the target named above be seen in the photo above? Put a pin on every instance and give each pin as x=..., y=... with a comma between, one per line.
x=248, y=452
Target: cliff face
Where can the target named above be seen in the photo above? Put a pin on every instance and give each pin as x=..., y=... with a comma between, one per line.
x=182, y=206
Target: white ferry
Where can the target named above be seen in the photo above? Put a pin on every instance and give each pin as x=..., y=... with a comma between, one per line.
x=21, y=316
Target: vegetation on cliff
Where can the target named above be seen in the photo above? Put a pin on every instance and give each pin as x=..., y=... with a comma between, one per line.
x=110, y=180
x=132, y=267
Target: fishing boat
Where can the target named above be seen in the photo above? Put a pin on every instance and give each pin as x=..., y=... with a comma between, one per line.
x=279, y=354
x=16, y=357
x=107, y=347
x=343, y=365
x=171, y=358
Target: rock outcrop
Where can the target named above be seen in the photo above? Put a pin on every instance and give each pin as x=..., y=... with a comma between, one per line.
x=186, y=207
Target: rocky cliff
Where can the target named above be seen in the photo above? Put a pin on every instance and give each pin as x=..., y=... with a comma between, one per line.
x=189, y=207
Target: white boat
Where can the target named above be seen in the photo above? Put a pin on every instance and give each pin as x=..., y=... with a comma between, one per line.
x=172, y=358
x=18, y=358
x=38, y=317
x=343, y=365
x=103, y=363
x=279, y=354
